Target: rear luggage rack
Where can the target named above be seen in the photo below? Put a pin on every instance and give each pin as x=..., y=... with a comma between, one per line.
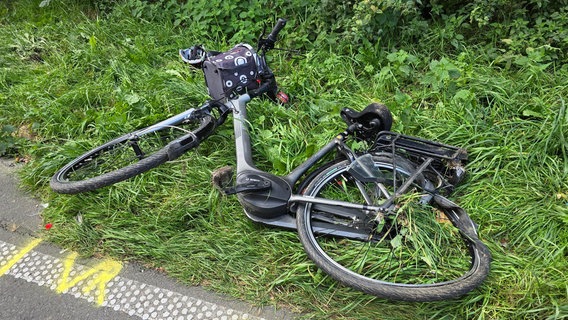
x=448, y=161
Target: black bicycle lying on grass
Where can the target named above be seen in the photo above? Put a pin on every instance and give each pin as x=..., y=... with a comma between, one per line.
x=376, y=220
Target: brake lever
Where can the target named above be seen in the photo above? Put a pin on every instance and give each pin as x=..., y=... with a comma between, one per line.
x=260, y=42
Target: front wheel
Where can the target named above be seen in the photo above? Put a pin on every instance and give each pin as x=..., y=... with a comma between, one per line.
x=414, y=251
x=131, y=154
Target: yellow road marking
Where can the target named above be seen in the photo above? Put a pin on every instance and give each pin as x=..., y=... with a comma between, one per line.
x=102, y=273
x=66, y=276
x=19, y=256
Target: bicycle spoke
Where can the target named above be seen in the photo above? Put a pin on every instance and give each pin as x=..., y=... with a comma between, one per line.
x=382, y=190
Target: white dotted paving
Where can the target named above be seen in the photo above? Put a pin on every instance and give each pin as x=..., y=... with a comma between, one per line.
x=121, y=294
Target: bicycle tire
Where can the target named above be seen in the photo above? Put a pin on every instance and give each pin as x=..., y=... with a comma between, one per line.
x=141, y=155
x=333, y=255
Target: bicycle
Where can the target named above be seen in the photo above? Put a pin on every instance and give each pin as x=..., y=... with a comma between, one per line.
x=376, y=220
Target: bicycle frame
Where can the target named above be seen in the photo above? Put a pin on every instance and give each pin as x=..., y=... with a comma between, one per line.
x=268, y=198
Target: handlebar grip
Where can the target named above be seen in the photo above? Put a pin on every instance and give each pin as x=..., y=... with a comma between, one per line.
x=274, y=33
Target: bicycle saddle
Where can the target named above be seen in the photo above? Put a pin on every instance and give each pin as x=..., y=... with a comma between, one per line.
x=375, y=117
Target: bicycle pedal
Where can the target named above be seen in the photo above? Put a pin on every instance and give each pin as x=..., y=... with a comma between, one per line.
x=221, y=178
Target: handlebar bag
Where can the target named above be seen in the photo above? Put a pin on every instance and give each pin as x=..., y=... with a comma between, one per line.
x=231, y=73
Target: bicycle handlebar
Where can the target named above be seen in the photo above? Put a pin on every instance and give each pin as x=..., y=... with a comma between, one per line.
x=264, y=45
x=268, y=43
x=274, y=33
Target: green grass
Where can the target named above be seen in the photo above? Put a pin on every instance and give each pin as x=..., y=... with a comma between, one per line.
x=72, y=77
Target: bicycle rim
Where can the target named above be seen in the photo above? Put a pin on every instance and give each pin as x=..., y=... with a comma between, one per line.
x=123, y=157
x=414, y=253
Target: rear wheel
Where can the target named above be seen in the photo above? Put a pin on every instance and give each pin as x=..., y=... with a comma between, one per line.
x=129, y=155
x=413, y=252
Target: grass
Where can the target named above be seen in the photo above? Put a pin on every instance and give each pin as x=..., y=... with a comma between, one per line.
x=71, y=78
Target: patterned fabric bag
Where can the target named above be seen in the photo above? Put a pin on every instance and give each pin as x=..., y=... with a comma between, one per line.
x=231, y=73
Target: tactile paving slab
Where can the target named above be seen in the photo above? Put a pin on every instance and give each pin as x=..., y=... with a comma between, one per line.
x=133, y=297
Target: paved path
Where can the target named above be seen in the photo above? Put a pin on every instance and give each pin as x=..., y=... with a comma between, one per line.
x=40, y=281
